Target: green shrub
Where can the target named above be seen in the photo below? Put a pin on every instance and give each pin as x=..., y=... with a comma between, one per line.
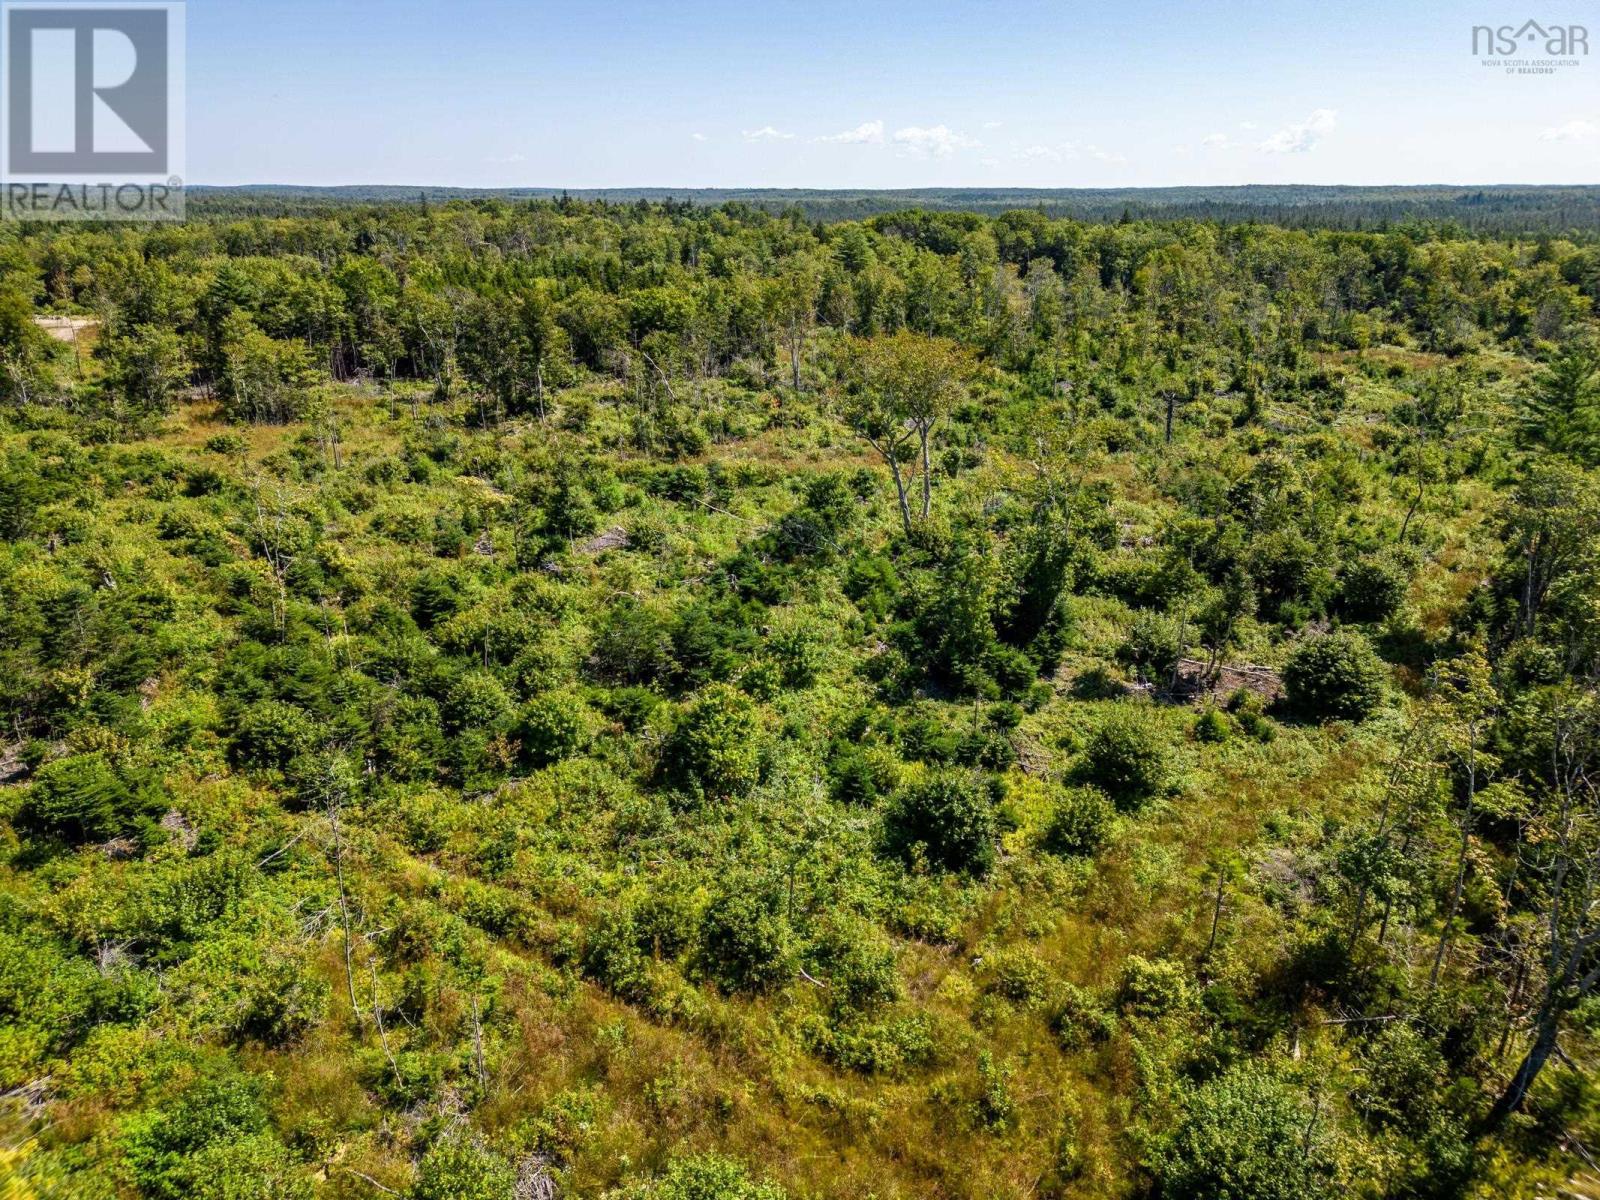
x=1243, y=1136
x=553, y=728
x=860, y=775
x=1019, y=974
x=762, y=679
x=744, y=941
x=1336, y=677
x=1372, y=589
x=702, y=1177
x=458, y=1170
x=565, y=1123
x=435, y=596
x=477, y=701
x=872, y=1047
x=856, y=961
x=257, y=1167
x=1152, y=987
x=272, y=734
x=1128, y=759
x=83, y=798
x=667, y=917
x=612, y=958
x=212, y=1142
x=995, y=1109
x=952, y=625
x=1249, y=711
x=1078, y=822
x=948, y=819
x=799, y=652
x=1152, y=646
x=1212, y=727
x=1013, y=670
x=713, y=750
x=1080, y=1019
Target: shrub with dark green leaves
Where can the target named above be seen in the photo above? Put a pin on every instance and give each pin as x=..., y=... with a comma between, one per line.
x=272, y=734
x=952, y=631
x=745, y=942
x=1152, y=646
x=948, y=819
x=553, y=728
x=434, y=597
x=1372, y=589
x=798, y=651
x=632, y=644
x=477, y=700
x=1247, y=1136
x=714, y=749
x=873, y=1046
x=1078, y=822
x=213, y=1143
x=995, y=1108
x=85, y=799
x=1336, y=677
x=611, y=955
x=1128, y=759
x=856, y=961
x=1212, y=727
x=859, y=775
x=1019, y=974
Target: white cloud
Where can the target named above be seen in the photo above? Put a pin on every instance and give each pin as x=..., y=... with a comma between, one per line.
x=699, y=137
x=1216, y=141
x=1090, y=150
x=505, y=160
x=1105, y=156
x=938, y=140
x=1576, y=130
x=865, y=134
x=991, y=124
x=1070, y=150
x=1248, y=125
x=988, y=162
x=1302, y=135
x=766, y=134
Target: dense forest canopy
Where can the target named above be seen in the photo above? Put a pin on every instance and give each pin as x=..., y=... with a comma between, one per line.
x=518, y=698
x=1515, y=209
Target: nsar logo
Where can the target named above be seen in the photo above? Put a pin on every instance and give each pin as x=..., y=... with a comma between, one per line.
x=1531, y=48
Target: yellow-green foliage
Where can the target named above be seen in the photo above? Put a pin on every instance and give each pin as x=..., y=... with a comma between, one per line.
x=530, y=746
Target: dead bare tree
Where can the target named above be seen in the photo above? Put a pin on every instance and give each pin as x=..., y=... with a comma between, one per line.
x=1565, y=863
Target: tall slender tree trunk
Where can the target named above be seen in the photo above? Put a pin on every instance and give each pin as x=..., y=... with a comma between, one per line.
x=344, y=906
x=1455, y=903
x=1216, y=918
x=1544, y=1044
x=927, y=473
x=796, y=342
x=900, y=491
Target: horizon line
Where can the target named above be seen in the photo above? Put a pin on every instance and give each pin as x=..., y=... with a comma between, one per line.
x=998, y=187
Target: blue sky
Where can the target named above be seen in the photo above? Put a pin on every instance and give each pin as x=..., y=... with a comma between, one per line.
x=878, y=93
